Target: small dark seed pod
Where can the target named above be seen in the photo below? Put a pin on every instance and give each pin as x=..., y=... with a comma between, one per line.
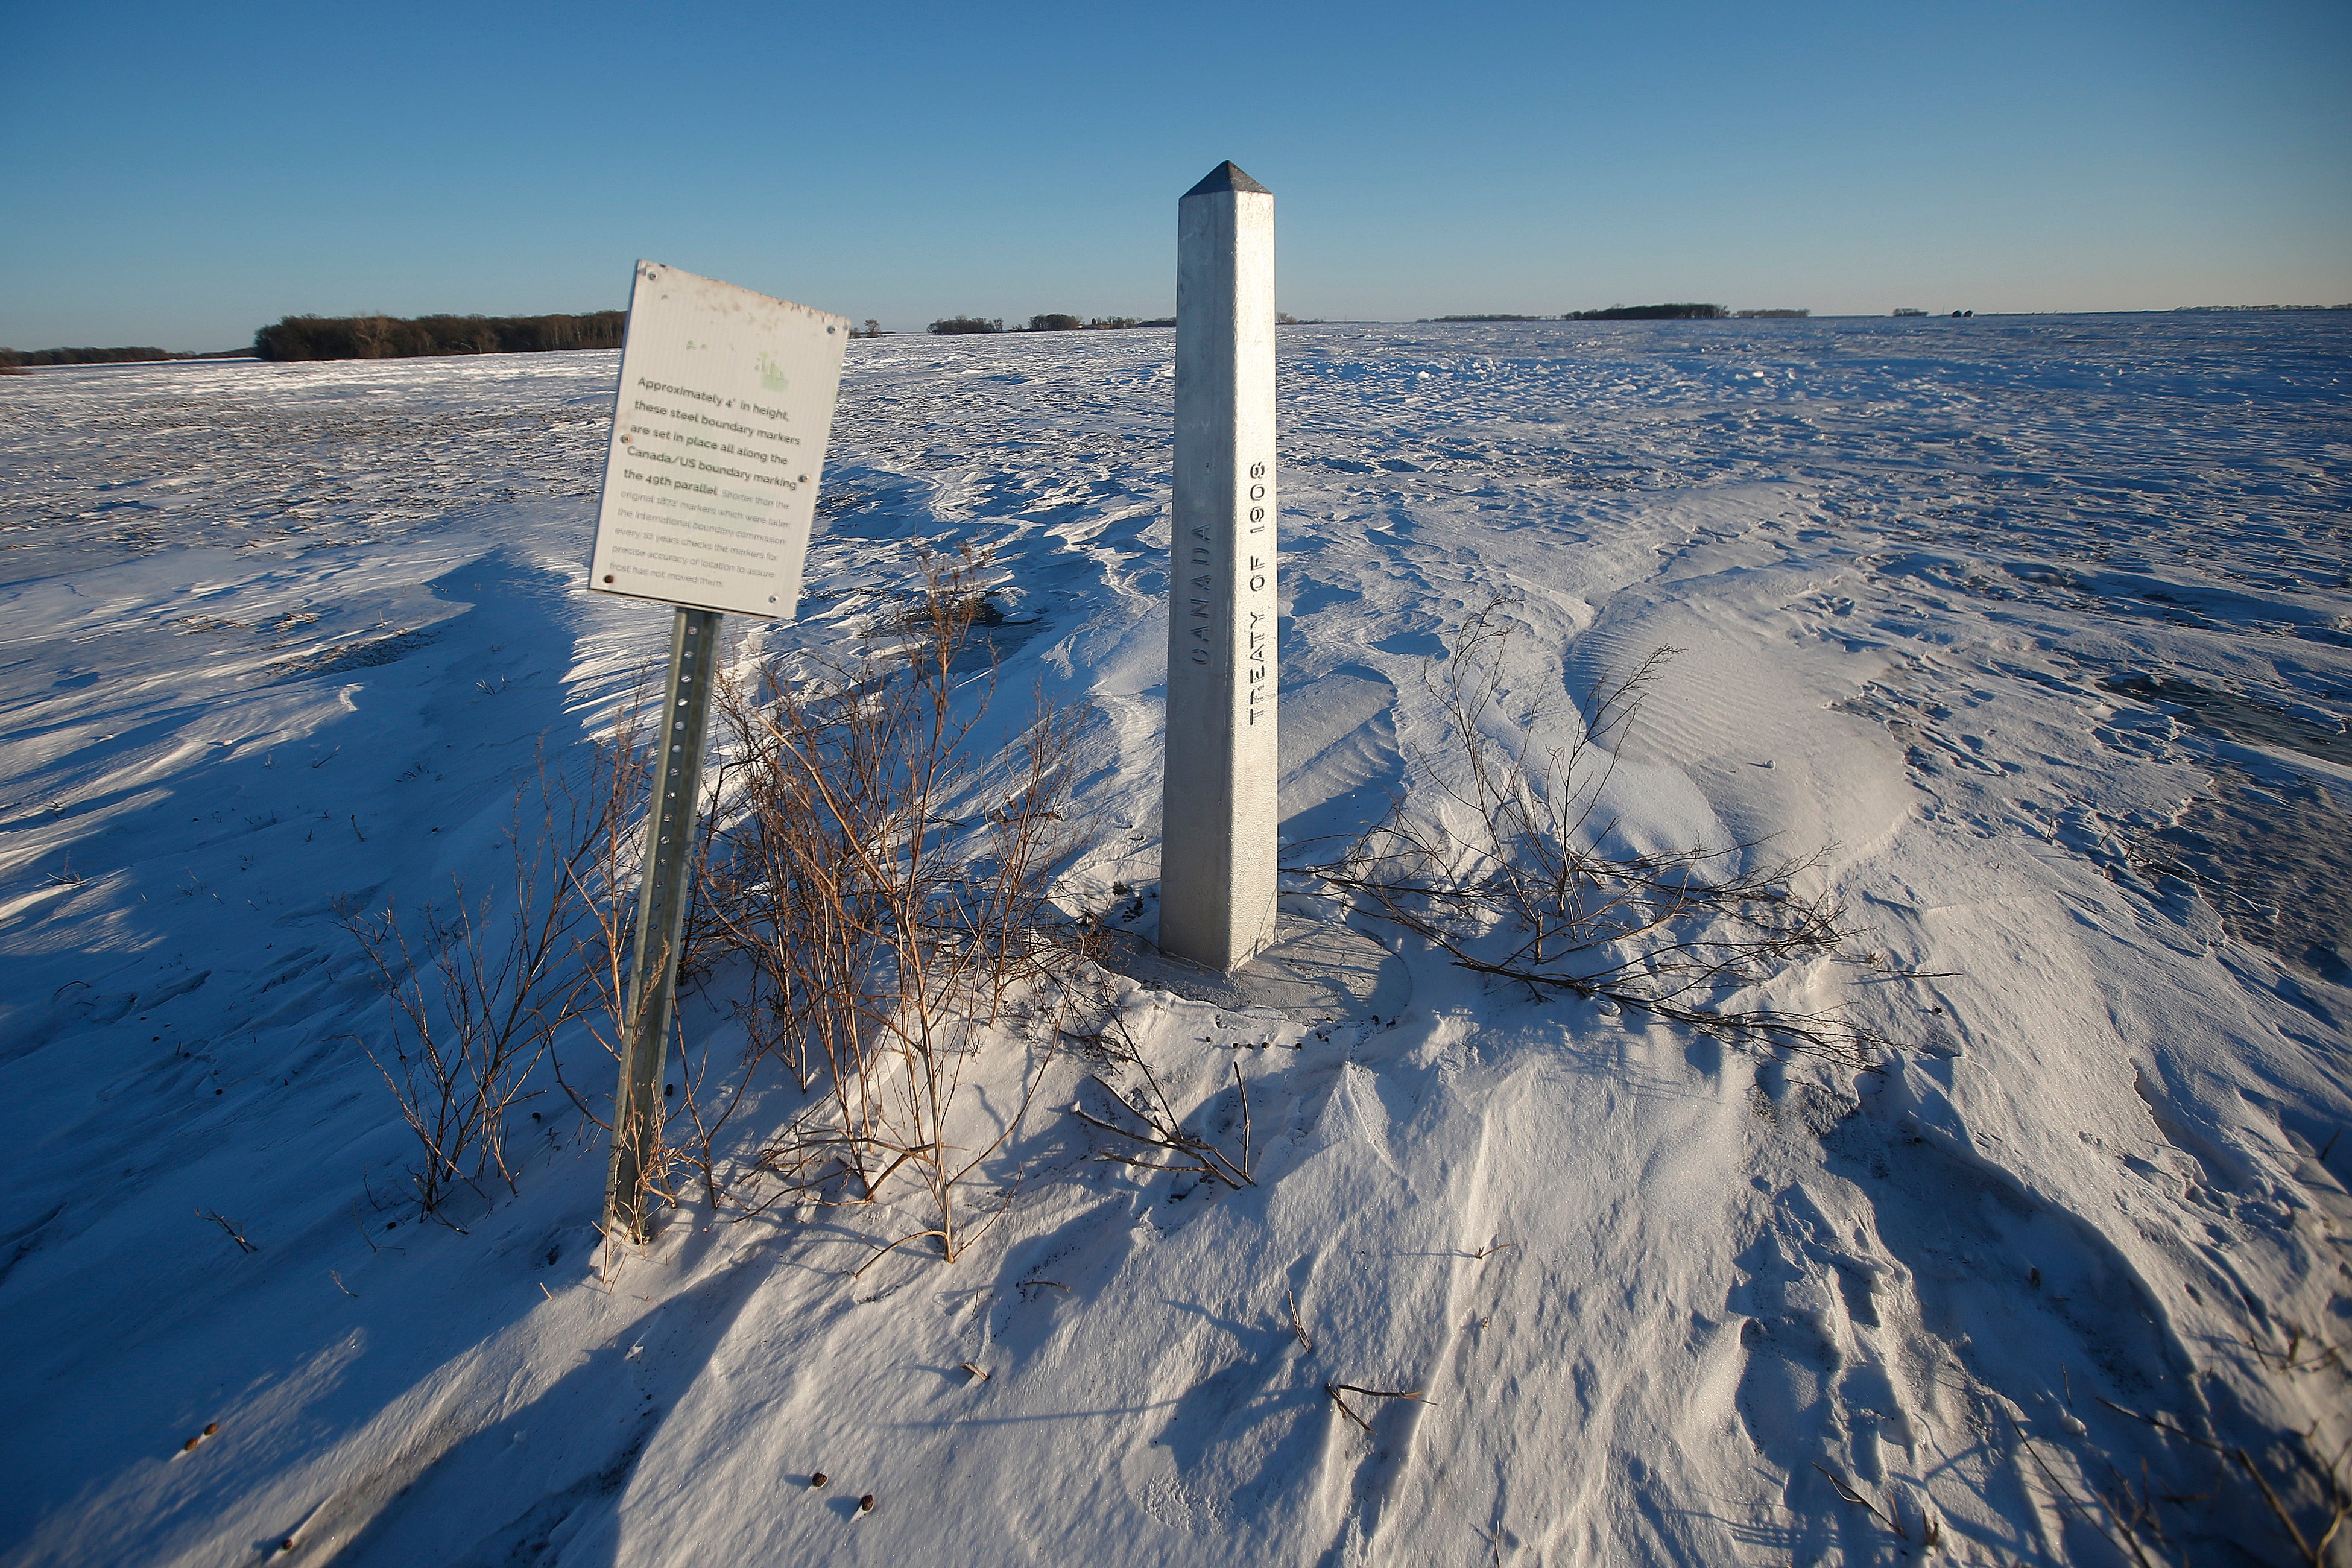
x=866, y=1503
x=211, y=1428
x=189, y=1445
x=817, y=1479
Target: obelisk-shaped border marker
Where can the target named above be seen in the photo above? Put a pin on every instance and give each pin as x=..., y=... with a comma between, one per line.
x=1218, y=816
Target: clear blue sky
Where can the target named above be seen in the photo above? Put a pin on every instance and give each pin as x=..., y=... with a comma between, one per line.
x=180, y=174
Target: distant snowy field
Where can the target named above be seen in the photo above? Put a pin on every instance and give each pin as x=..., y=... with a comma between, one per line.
x=2043, y=625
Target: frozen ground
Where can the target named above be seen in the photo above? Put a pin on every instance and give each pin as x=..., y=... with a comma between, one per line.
x=2045, y=624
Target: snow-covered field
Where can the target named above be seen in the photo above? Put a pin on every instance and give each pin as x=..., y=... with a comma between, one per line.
x=2043, y=625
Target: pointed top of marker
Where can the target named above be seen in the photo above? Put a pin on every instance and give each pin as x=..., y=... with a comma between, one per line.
x=1225, y=176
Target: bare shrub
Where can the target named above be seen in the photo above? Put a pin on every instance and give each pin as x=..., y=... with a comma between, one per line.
x=1163, y=1130
x=1335, y=1391
x=892, y=916
x=1522, y=891
x=2294, y=1473
x=475, y=993
x=609, y=810
x=233, y=1228
x=888, y=927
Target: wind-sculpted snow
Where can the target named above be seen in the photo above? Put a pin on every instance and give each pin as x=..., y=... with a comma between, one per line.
x=2041, y=629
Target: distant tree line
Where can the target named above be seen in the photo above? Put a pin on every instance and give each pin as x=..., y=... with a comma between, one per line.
x=12, y=358
x=1686, y=312
x=1060, y=323
x=1651, y=313
x=390, y=337
x=1051, y=323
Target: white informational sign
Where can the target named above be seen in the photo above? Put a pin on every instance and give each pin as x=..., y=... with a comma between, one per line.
x=718, y=444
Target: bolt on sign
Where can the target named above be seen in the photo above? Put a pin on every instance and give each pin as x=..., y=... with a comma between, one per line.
x=718, y=436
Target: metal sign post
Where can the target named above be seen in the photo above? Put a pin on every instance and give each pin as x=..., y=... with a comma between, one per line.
x=652, y=996
x=710, y=480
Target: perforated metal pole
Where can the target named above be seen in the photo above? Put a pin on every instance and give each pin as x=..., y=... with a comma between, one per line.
x=651, y=999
